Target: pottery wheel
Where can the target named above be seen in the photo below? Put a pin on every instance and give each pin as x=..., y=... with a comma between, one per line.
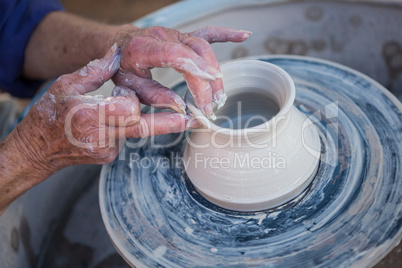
x=349, y=216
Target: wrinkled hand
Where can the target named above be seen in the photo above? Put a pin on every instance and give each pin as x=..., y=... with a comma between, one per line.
x=66, y=127
x=188, y=53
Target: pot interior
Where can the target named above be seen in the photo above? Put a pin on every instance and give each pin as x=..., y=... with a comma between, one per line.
x=246, y=109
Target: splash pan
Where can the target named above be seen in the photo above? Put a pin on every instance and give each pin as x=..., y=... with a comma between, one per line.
x=349, y=216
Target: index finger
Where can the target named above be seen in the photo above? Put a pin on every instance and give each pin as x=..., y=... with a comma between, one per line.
x=153, y=53
x=214, y=34
x=91, y=76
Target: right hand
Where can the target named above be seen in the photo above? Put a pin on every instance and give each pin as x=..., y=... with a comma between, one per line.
x=188, y=53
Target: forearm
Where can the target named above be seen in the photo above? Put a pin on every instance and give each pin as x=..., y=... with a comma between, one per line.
x=18, y=172
x=62, y=43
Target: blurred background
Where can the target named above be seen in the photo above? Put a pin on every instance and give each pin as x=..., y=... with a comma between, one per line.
x=116, y=11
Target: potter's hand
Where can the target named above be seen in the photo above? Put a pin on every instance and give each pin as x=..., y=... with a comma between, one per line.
x=188, y=53
x=66, y=127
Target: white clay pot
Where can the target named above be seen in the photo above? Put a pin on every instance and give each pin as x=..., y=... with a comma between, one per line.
x=261, y=151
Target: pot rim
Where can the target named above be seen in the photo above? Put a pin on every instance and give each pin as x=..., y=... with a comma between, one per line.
x=283, y=111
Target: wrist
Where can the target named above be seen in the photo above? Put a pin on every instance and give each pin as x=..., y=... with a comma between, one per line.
x=18, y=172
x=30, y=152
x=110, y=35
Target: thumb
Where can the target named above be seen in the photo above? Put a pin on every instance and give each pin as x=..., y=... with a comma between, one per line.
x=93, y=75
